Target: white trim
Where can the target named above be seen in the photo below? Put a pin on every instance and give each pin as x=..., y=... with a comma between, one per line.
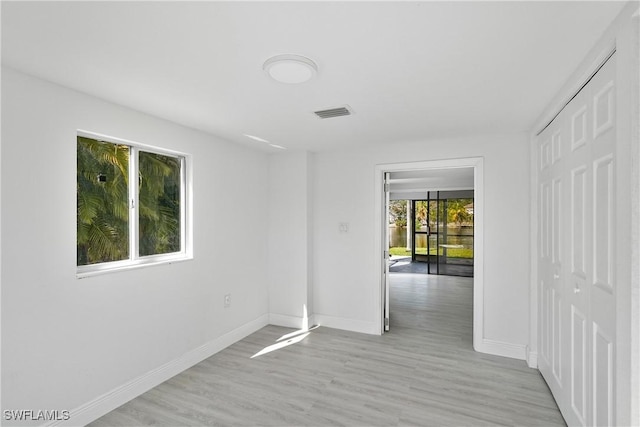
x=629, y=42
x=478, y=253
x=372, y=328
x=129, y=266
x=478, y=241
x=534, y=295
x=589, y=64
x=290, y=321
x=504, y=349
x=531, y=357
x=109, y=401
x=627, y=351
x=134, y=212
x=570, y=91
x=114, y=140
x=1, y=258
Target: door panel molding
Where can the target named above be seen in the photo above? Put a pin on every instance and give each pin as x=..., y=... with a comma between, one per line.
x=578, y=221
x=603, y=214
x=578, y=364
x=602, y=384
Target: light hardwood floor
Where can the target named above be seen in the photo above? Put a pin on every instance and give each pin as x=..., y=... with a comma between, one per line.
x=424, y=372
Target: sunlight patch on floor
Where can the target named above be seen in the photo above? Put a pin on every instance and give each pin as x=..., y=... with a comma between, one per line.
x=290, y=338
x=281, y=344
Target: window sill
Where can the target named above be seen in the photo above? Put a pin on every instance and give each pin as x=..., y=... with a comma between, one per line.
x=130, y=266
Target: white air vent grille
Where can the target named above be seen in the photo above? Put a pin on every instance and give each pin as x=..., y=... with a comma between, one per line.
x=334, y=112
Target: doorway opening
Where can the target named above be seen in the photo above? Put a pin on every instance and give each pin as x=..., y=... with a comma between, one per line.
x=428, y=233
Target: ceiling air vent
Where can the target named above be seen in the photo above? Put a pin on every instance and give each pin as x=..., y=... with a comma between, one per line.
x=334, y=112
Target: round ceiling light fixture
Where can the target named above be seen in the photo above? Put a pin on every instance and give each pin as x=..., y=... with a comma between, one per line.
x=289, y=68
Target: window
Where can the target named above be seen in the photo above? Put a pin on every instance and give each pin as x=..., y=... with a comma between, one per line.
x=131, y=204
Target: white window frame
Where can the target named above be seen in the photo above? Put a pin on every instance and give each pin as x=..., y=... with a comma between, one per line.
x=186, y=228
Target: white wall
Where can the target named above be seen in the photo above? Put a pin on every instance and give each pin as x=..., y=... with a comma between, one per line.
x=66, y=341
x=290, y=219
x=346, y=270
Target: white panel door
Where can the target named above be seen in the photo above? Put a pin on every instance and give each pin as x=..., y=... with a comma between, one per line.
x=577, y=118
x=553, y=316
x=577, y=253
x=602, y=252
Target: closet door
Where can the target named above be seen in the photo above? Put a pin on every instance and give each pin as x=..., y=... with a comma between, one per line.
x=602, y=295
x=552, y=159
x=577, y=253
x=578, y=118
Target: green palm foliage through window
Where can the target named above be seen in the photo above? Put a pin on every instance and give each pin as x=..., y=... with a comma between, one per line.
x=159, y=200
x=103, y=202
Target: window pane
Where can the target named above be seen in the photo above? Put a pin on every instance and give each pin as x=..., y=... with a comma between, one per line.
x=159, y=203
x=102, y=202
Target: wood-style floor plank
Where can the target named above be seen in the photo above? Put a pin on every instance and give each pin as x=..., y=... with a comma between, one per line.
x=424, y=372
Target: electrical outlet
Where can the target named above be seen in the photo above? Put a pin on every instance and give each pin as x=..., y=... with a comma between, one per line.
x=227, y=300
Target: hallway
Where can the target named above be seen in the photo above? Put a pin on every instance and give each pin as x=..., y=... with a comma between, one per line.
x=438, y=305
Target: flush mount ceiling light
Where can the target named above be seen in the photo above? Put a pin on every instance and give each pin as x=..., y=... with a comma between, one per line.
x=290, y=68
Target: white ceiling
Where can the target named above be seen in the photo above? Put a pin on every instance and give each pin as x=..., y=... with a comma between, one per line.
x=410, y=70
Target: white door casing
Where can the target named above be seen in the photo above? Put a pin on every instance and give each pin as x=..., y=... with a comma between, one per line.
x=576, y=256
x=480, y=343
x=386, y=255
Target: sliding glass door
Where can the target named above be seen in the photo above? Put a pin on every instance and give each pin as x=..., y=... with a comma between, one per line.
x=442, y=230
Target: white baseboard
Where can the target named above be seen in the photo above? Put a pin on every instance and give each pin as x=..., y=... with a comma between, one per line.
x=532, y=358
x=347, y=324
x=504, y=349
x=109, y=401
x=288, y=321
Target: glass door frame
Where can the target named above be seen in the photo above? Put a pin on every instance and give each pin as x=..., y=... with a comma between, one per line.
x=414, y=233
x=435, y=256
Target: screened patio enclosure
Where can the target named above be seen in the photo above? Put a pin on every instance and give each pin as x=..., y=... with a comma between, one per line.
x=437, y=237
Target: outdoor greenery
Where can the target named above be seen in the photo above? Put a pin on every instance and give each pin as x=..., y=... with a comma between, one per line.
x=451, y=252
x=457, y=212
x=159, y=204
x=398, y=212
x=103, y=202
x=431, y=214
